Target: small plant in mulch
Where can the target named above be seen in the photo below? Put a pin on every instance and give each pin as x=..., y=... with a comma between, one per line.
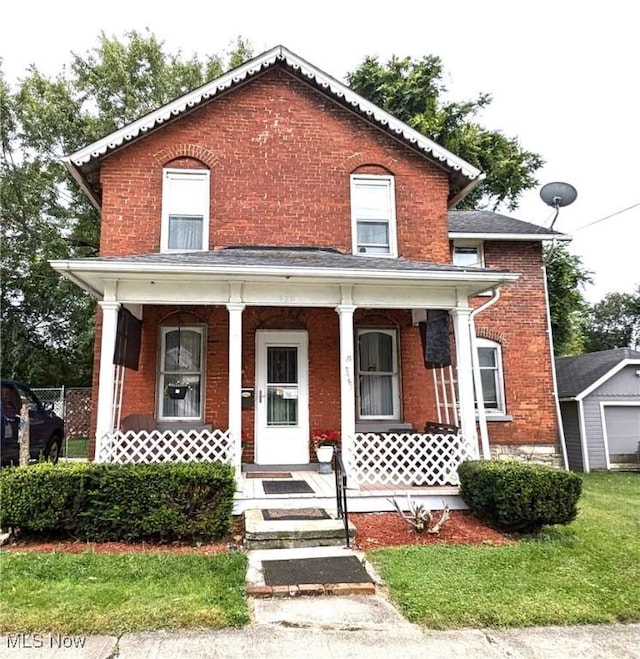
x=421, y=518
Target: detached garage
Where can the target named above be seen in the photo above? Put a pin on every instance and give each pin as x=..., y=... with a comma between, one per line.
x=599, y=397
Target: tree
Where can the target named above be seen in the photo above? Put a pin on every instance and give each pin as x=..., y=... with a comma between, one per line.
x=565, y=277
x=413, y=91
x=47, y=322
x=614, y=322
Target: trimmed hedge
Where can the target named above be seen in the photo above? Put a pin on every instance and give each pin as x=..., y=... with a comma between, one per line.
x=519, y=496
x=103, y=502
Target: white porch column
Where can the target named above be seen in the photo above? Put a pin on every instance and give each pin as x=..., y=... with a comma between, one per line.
x=106, y=381
x=235, y=310
x=347, y=381
x=461, y=326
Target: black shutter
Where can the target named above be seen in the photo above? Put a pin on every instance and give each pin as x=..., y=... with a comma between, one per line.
x=127, y=351
x=434, y=333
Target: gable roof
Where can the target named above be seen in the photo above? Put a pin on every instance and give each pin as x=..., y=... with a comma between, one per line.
x=487, y=225
x=84, y=163
x=578, y=376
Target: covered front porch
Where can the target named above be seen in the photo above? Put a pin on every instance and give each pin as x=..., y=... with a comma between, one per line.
x=383, y=455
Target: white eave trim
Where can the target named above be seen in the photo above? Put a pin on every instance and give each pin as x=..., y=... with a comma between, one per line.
x=608, y=375
x=279, y=53
x=465, y=235
x=122, y=267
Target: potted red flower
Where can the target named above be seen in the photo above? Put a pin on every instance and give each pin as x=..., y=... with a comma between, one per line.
x=325, y=443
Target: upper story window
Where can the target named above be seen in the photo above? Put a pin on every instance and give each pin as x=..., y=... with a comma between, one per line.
x=185, y=210
x=373, y=215
x=468, y=253
x=491, y=375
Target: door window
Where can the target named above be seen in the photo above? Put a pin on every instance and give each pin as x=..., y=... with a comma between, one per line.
x=282, y=386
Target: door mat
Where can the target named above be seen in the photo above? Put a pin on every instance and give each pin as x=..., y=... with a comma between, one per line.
x=287, y=487
x=299, y=514
x=267, y=474
x=332, y=569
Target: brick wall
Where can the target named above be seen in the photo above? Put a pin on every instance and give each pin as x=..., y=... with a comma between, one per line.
x=280, y=156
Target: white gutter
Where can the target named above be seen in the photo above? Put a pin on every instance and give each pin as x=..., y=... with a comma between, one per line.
x=471, y=235
x=477, y=379
x=554, y=378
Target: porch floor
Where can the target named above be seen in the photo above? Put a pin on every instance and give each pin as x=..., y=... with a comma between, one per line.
x=366, y=498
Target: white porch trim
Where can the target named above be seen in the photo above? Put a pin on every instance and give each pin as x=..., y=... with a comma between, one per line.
x=235, y=310
x=347, y=382
x=106, y=378
x=462, y=328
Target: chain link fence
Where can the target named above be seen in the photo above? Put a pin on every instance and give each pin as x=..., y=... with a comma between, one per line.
x=74, y=406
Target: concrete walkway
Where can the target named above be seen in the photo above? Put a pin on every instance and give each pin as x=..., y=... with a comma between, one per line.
x=363, y=626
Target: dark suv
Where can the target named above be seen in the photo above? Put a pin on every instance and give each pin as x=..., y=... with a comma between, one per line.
x=46, y=429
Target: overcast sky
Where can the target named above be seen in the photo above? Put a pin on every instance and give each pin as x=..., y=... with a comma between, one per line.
x=563, y=75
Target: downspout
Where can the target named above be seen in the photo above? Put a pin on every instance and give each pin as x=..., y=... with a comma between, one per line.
x=477, y=380
x=563, y=445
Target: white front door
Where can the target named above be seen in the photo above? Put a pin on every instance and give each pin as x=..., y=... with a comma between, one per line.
x=282, y=397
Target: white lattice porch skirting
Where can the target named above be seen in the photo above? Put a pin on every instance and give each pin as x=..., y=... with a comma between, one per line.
x=166, y=446
x=406, y=458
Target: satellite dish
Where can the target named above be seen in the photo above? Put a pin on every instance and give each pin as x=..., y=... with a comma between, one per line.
x=558, y=194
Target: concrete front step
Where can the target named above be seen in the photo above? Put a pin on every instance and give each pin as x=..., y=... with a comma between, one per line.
x=257, y=588
x=285, y=534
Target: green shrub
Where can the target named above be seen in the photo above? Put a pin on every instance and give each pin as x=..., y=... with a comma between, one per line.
x=519, y=496
x=100, y=502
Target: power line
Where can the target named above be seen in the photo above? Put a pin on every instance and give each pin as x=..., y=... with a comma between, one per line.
x=607, y=217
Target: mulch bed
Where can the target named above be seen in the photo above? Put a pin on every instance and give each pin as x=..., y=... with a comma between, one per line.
x=375, y=530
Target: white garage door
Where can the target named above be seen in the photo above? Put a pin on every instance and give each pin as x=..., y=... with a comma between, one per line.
x=623, y=432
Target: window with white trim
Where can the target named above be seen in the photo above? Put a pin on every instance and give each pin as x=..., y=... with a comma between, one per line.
x=185, y=210
x=373, y=215
x=181, y=375
x=378, y=378
x=468, y=253
x=491, y=375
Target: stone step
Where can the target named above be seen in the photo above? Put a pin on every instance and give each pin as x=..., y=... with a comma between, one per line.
x=284, y=534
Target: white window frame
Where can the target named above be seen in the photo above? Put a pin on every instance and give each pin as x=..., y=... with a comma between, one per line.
x=169, y=175
x=388, y=182
x=498, y=377
x=164, y=330
x=395, y=373
x=478, y=245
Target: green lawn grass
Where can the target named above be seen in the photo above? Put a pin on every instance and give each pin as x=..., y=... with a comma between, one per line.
x=586, y=572
x=93, y=593
x=76, y=447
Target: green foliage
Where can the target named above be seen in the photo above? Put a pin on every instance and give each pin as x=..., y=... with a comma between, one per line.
x=519, y=496
x=614, y=322
x=100, y=502
x=414, y=92
x=48, y=322
x=566, y=276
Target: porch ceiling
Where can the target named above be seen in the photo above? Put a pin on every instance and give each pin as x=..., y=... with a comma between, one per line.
x=279, y=276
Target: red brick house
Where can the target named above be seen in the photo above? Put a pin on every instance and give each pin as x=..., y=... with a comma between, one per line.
x=270, y=245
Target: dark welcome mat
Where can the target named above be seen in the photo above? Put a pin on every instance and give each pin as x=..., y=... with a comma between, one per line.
x=267, y=474
x=332, y=569
x=286, y=487
x=276, y=514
